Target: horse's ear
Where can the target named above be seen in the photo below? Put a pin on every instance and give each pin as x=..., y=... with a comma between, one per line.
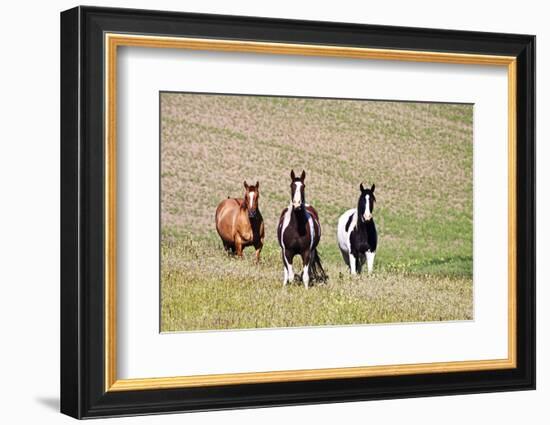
x=257, y=184
x=303, y=176
x=372, y=188
x=292, y=175
x=245, y=185
x=361, y=188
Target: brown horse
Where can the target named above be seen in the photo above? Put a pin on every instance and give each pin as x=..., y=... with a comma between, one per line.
x=239, y=222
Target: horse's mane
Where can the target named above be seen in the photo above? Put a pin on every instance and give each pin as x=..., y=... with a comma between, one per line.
x=239, y=201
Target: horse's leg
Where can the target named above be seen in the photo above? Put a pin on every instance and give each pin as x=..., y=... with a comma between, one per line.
x=306, y=257
x=360, y=260
x=285, y=278
x=352, y=263
x=239, y=246
x=258, y=247
x=370, y=261
x=289, y=273
x=227, y=247
x=345, y=256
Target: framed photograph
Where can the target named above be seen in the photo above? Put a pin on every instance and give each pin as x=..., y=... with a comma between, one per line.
x=261, y=212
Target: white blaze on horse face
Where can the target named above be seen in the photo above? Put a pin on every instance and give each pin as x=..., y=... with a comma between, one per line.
x=251, y=199
x=367, y=215
x=297, y=198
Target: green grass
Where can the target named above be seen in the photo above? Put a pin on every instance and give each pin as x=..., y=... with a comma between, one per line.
x=205, y=289
x=419, y=156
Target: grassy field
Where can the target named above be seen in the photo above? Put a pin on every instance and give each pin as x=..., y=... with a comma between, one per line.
x=418, y=154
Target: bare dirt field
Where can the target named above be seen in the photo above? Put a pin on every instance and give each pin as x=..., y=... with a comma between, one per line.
x=418, y=154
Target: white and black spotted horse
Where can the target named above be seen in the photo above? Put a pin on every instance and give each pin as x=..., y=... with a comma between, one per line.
x=357, y=237
x=299, y=233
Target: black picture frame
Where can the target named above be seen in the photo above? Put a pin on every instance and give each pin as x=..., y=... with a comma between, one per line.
x=83, y=392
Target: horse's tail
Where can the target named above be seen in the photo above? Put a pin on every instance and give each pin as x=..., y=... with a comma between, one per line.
x=318, y=274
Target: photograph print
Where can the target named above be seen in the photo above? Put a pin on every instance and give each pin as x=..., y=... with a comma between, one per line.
x=281, y=212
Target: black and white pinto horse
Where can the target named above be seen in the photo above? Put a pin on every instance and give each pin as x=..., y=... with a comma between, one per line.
x=357, y=237
x=299, y=233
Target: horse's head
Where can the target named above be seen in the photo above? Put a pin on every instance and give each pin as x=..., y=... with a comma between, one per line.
x=297, y=190
x=251, y=196
x=365, y=204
